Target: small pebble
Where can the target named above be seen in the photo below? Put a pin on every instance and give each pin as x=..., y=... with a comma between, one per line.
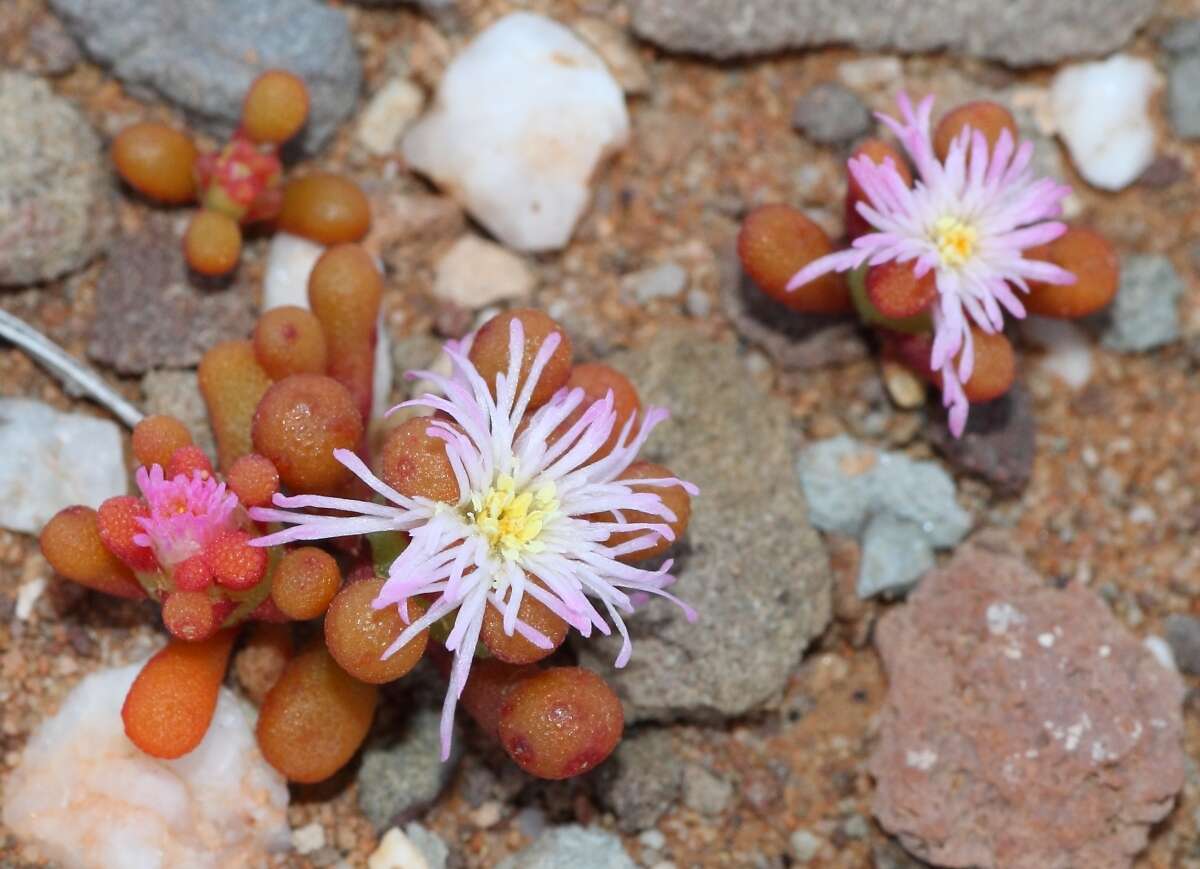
x=1145, y=313
x=805, y=846
x=658, y=282
x=698, y=303
x=487, y=815
x=1102, y=111
x=309, y=838
x=389, y=114
x=396, y=851
x=1183, y=635
x=476, y=273
x=831, y=114
x=653, y=839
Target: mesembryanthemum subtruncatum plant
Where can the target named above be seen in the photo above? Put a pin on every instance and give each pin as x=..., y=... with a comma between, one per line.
x=517, y=510
x=520, y=508
x=938, y=259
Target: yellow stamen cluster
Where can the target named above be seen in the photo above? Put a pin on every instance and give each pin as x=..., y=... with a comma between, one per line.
x=955, y=240
x=510, y=521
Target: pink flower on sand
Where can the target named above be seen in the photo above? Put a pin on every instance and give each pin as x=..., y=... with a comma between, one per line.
x=523, y=508
x=186, y=513
x=968, y=219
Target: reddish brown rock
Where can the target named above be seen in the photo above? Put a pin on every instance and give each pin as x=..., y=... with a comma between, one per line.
x=1024, y=726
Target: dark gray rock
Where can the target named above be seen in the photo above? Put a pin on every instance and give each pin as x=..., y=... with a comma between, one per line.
x=150, y=314
x=55, y=192
x=1145, y=313
x=1016, y=32
x=202, y=55
x=793, y=341
x=750, y=563
x=1183, y=37
x=998, y=444
x=572, y=846
x=401, y=773
x=1183, y=95
x=1183, y=636
x=641, y=780
x=831, y=114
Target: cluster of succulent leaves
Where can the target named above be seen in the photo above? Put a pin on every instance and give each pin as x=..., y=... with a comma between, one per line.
x=242, y=183
x=776, y=241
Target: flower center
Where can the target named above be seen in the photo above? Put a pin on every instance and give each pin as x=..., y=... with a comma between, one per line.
x=512, y=521
x=955, y=240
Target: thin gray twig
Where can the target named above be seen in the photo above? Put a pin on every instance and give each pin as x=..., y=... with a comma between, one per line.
x=77, y=377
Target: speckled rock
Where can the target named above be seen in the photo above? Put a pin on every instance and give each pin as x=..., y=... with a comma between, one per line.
x=1017, y=32
x=400, y=774
x=1024, y=726
x=998, y=444
x=573, y=846
x=1145, y=313
x=55, y=192
x=150, y=314
x=202, y=55
x=750, y=563
x=641, y=781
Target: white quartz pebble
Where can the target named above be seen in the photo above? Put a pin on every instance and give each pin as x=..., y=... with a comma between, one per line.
x=91, y=800
x=522, y=118
x=1102, y=113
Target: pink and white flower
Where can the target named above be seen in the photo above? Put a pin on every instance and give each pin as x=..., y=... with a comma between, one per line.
x=525, y=498
x=186, y=513
x=969, y=219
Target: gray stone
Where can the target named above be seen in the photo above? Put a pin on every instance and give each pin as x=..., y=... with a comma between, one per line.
x=1183, y=636
x=202, y=55
x=177, y=394
x=1145, y=313
x=704, y=791
x=152, y=313
x=430, y=844
x=831, y=114
x=1183, y=95
x=51, y=460
x=55, y=190
x=663, y=281
x=641, y=780
x=571, y=846
x=847, y=483
x=401, y=773
x=1183, y=37
x=750, y=563
x=895, y=554
x=1017, y=32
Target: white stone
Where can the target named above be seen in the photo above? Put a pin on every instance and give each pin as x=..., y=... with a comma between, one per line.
x=389, y=114
x=522, y=118
x=91, y=800
x=396, y=851
x=662, y=281
x=289, y=263
x=865, y=73
x=309, y=838
x=1102, y=114
x=476, y=273
x=27, y=597
x=1068, y=349
x=51, y=460
x=805, y=845
x=1161, y=650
